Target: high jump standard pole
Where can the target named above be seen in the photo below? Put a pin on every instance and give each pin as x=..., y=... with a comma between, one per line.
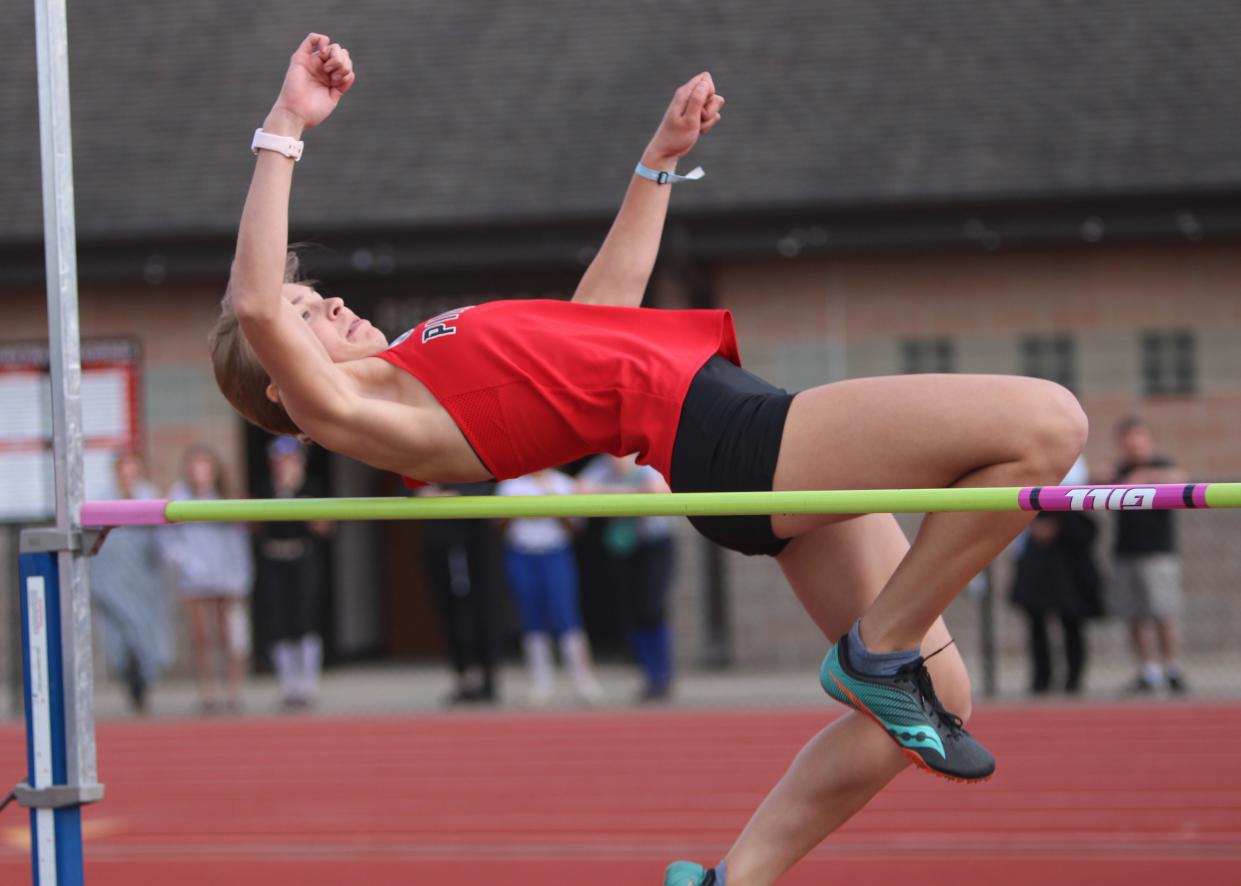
x=55, y=598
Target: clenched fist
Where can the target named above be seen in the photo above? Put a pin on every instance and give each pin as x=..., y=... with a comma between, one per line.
x=694, y=110
x=320, y=72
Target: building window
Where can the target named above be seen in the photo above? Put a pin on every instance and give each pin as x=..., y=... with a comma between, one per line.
x=1169, y=362
x=1052, y=357
x=928, y=355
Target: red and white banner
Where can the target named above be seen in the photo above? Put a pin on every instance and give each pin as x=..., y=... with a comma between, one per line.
x=111, y=422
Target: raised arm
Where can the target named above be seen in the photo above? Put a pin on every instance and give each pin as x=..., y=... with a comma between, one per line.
x=319, y=73
x=620, y=271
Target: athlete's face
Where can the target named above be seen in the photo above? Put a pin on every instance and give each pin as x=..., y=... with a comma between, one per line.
x=344, y=335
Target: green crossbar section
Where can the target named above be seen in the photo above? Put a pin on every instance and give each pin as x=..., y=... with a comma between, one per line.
x=677, y=504
x=1224, y=495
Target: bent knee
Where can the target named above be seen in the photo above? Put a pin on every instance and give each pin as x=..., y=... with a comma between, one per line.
x=1058, y=432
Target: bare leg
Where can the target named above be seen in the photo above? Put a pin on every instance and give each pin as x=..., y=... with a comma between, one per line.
x=836, y=571
x=233, y=627
x=929, y=431
x=1169, y=640
x=1140, y=640
x=200, y=645
x=924, y=431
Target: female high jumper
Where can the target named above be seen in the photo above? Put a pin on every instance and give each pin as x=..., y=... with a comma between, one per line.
x=506, y=388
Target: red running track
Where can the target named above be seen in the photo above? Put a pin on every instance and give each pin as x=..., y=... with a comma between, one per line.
x=1099, y=795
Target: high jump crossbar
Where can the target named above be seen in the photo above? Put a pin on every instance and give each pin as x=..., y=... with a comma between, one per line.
x=1159, y=497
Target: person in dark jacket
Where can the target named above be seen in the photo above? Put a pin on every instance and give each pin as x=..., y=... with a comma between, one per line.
x=1057, y=578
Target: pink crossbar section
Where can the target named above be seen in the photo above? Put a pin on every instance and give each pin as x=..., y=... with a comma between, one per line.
x=1155, y=497
x=125, y=512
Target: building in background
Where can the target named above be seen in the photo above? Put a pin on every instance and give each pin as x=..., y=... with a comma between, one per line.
x=895, y=187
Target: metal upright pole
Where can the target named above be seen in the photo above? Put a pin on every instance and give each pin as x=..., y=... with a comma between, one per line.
x=66, y=371
x=56, y=598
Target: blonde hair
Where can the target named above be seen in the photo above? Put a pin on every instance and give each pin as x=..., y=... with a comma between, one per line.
x=241, y=377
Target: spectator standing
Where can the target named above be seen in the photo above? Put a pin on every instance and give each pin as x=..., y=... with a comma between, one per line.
x=541, y=568
x=1057, y=578
x=213, y=569
x=459, y=556
x=127, y=589
x=1146, y=580
x=644, y=554
x=290, y=579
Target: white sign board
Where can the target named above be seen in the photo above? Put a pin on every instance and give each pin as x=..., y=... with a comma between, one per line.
x=110, y=423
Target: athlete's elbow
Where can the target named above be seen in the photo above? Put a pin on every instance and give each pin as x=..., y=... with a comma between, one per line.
x=251, y=305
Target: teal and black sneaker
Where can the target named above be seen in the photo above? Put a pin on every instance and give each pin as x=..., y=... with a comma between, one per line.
x=686, y=873
x=906, y=707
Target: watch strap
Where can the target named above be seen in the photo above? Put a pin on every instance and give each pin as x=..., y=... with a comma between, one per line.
x=281, y=144
x=668, y=178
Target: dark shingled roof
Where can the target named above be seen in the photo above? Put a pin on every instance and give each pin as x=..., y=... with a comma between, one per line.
x=520, y=112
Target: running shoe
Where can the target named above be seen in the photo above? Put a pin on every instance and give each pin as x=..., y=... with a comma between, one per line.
x=905, y=705
x=686, y=873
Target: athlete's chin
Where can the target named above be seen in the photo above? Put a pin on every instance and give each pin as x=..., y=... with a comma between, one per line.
x=364, y=334
x=366, y=342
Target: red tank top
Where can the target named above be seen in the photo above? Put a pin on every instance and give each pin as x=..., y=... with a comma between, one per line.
x=533, y=384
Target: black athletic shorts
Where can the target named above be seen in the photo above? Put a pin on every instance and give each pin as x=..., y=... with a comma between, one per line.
x=728, y=440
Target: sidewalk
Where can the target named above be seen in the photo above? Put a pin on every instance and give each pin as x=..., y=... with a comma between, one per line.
x=390, y=689
x=408, y=688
